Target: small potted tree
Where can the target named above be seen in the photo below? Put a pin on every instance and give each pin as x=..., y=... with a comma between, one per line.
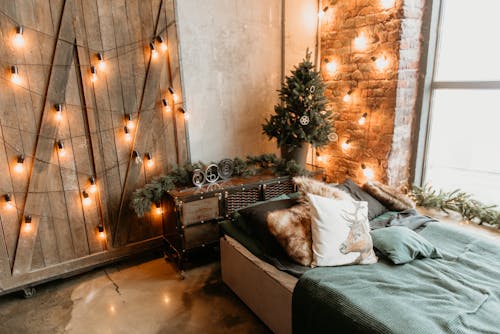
x=301, y=118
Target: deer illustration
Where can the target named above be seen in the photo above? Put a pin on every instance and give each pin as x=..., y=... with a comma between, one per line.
x=358, y=239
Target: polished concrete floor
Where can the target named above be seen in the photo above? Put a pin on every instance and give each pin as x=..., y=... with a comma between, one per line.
x=134, y=297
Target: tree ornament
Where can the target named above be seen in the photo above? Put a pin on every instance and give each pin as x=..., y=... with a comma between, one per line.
x=304, y=120
x=226, y=168
x=212, y=173
x=198, y=177
x=333, y=137
x=312, y=89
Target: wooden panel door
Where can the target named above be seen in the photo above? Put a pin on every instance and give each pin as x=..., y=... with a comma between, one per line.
x=76, y=133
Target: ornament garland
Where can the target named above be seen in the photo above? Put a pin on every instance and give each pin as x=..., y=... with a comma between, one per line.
x=458, y=201
x=144, y=198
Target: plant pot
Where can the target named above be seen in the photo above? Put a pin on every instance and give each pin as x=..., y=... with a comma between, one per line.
x=298, y=153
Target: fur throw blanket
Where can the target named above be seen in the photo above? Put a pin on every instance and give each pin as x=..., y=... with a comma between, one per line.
x=392, y=198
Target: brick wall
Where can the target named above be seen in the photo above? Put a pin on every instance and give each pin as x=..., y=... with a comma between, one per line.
x=387, y=96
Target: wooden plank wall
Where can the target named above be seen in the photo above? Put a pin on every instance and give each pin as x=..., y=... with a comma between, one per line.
x=61, y=41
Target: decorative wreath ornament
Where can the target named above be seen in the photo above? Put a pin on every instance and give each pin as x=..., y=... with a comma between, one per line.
x=198, y=177
x=226, y=168
x=304, y=120
x=333, y=137
x=212, y=173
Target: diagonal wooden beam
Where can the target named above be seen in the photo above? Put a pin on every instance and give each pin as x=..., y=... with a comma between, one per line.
x=36, y=200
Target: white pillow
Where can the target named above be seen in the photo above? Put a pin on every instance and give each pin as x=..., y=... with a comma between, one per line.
x=340, y=232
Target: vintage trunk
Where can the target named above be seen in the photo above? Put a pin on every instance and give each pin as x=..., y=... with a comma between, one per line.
x=60, y=130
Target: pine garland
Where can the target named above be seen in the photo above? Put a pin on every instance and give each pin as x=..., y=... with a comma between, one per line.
x=458, y=201
x=153, y=192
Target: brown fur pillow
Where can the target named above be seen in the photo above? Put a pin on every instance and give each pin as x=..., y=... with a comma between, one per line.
x=315, y=187
x=292, y=228
x=392, y=198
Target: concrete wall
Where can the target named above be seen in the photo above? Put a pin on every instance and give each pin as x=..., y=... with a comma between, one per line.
x=231, y=63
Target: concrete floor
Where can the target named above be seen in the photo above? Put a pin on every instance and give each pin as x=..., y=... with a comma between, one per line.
x=132, y=297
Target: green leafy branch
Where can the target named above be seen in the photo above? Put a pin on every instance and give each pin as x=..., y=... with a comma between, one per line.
x=458, y=201
x=144, y=198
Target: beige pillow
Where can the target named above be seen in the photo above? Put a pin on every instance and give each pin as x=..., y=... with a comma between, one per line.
x=292, y=228
x=392, y=198
x=340, y=232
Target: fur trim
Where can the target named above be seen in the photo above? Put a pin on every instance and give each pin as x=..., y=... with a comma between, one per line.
x=292, y=228
x=392, y=198
x=315, y=187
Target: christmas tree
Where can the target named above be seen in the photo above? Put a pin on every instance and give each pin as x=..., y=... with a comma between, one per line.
x=301, y=117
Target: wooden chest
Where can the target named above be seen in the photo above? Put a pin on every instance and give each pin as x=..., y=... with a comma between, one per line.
x=192, y=214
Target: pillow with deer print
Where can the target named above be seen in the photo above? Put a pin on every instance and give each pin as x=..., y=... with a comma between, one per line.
x=340, y=232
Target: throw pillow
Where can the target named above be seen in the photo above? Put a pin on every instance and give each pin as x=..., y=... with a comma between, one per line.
x=375, y=208
x=307, y=185
x=402, y=245
x=292, y=228
x=253, y=221
x=392, y=198
x=340, y=232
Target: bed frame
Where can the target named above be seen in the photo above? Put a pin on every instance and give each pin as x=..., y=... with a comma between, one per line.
x=256, y=283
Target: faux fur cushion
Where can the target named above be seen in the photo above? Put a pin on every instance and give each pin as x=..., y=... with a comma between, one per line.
x=292, y=228
x=392, y=198
x=307, y=185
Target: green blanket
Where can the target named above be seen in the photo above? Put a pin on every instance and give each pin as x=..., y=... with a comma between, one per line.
x=457, y=294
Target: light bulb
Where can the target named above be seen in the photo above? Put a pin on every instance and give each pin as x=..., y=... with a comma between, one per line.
x=386, y=4
x=27, y=223
x=175, y=97
x=362, y=119
x=93, y=73
x=381, y=63
x=322, y=12
x=184, y=112
x=19, y=166
x=93, y=185
x=322, y=158
x=346, y=145
x=163, y=44
x=102, y=234
x=15, y=78
x=86, y=198
x=154, y=52
x=347, y=97
x=58, y=116
x=61, y=149
x=8, y=202
x=331, y=67
x=360, y=42
x=100, y=62
x=149, y=158
x=368, y=172
x=128, y=137
x=166, y=105
x=158, y=209
x=136, y=157
x=19, y=38
x=130, y=121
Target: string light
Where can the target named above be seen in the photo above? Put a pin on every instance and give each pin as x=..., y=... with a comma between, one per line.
x=158, y=209
x=128, y=137
x=368, y=172
x=61, y=149
x=154, y=53
x=100, y=230
x=360, y=42
x=149, y=158
x=100, y=61
x=137, y=157
x=163, y=44
x=174, y=95
x=19, y=167
x=86, y=198
x=346, y=145
x=93, y=185
x=322, y=12
x=386, y=4
x=93, y=73
x=8, y=202
x=15, y=78
x=19, y=38
x=331, y=66
x=381, y=63
x=27, y=223
x=58, y=109
x=347, y=97
x=130, y=121
x=166, y=105
x=362, y=119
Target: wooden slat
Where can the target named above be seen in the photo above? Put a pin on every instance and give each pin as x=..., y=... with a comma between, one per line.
x=56, y=90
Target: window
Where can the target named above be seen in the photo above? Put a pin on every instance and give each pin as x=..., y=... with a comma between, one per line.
x=462, y=142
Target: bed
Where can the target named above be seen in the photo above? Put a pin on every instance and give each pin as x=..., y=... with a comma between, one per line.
x=459, y=293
